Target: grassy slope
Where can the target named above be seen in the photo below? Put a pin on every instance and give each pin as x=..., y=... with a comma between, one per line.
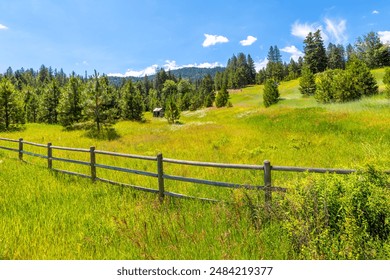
x=105, y=222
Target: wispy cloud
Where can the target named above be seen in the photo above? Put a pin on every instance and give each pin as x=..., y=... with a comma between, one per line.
x=212, y=40
x=3, y=27
x=248, y=41
x=334, y=30
x=293, y=51
x=302, y=29
x=384, y=36
x=169, y=65
x=375, y=12
x=337, y=30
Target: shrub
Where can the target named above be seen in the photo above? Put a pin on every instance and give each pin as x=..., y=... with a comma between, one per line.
x=334, y=217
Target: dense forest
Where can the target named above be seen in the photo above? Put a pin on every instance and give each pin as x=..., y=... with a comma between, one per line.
x=95, y=102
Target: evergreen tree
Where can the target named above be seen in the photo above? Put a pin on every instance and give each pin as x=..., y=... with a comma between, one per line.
x=11, y=106
x=315, y=53
x=31, y=104
x=48, y=112
x=336, y=56
x=372, y=51
x=131, y=104
x=222, y=97
x=98, y=105
x=274, y=67
x=251, y=70
x=307, y=84
x=172, y=112
x=364, y=83
x=71, y=106
x=270, y=93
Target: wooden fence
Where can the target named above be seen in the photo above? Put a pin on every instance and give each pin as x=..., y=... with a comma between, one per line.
x=267, y=168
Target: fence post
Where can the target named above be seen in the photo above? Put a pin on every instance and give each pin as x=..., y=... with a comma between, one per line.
x=267, y=181
x=93, y=163
x=20, y=148
x=49, y=156
x=160, y=172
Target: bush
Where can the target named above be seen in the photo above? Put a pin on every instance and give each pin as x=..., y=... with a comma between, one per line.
x=340, y=217
x=270, y=93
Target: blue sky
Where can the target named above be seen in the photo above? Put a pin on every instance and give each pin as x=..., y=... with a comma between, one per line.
x=137, y=37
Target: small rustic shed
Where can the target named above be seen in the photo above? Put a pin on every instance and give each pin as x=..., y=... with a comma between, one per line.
x=158, y=112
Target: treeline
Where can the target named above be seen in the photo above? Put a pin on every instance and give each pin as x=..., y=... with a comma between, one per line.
x=50, y=96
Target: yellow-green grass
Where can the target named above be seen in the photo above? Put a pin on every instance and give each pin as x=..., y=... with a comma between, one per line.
x=297, y=131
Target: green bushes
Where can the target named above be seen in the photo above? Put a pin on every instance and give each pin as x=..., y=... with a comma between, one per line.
x=345, y=85
x=337, y=217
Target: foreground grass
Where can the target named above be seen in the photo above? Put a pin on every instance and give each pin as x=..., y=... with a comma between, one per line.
x=51, y=216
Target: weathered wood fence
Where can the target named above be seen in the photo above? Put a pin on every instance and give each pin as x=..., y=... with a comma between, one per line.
x=267, y=168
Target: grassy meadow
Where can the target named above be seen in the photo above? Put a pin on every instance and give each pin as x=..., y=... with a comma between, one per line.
x=46, y=215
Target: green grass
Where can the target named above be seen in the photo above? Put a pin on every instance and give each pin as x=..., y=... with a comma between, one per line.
x=53, y=216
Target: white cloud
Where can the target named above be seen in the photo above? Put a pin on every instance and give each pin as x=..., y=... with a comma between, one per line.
x=261, y=64
x=211, y=40
x=293, y=50
x=375, y=12
x=337, y=30
x=3, y=27
x=248, y=41
x=133, y=73
x=384, y=36
x=169, y=65
x=302, y=29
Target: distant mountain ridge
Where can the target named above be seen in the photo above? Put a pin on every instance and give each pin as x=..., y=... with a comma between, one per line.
x=190, y=73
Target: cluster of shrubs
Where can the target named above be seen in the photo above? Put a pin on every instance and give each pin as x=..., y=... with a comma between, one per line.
x=336, y=85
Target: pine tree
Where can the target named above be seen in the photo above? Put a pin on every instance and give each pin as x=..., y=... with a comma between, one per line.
x=172, y=112
x=307, y=84
x=98, y=103
x=315, y=53
x=70, y=107
x=222, y=97
x=49, y=105
x=131, y=103
x=270, y=93
x=11, y=106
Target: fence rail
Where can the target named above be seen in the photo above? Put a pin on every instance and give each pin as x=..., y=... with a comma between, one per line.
x=268, y=188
